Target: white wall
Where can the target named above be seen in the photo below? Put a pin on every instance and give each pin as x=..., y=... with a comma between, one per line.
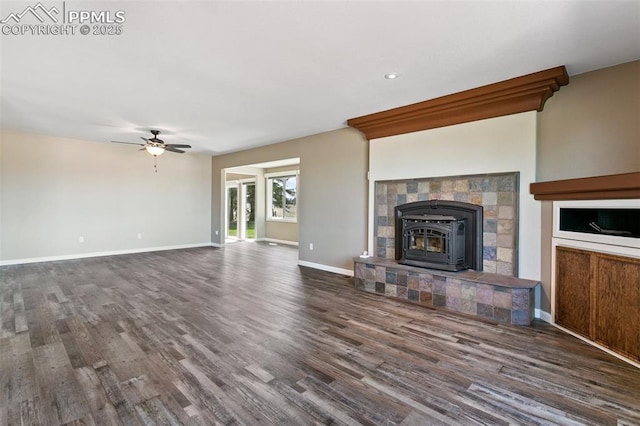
x=503, y=144
x=55, y=190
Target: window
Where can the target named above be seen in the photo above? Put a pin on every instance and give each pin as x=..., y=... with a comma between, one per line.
x=282, y=197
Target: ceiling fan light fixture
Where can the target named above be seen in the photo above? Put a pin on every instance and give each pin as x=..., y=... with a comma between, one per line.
x=154, y=150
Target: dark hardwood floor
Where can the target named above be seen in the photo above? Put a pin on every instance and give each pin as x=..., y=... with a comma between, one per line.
x=243, y=335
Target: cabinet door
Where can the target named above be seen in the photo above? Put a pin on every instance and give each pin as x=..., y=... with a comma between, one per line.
x=617, y=304
x=573, y=290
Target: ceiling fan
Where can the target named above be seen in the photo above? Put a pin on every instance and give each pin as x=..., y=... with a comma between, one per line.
x=156, y=146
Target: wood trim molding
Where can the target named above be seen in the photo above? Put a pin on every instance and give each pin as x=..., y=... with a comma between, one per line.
x=520, y=94
x=621, y=186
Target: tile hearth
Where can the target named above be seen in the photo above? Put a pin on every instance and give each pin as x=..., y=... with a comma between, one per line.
x=486, y=295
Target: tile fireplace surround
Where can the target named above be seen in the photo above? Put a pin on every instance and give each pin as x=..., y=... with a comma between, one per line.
x=497, y=193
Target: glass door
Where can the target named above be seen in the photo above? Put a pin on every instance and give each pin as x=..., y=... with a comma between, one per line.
x=232, y=212
x=436, y=241
x=249, y=190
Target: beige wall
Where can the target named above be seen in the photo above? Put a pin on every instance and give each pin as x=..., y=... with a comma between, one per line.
x=332, y=195
x=589, y=128
x=55, y=190
x=281, y=231
x=592, y=126
x=238, y=176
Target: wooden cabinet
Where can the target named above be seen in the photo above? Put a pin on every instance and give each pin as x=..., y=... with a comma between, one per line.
x=598, y=297
x=573, y=294
x=617, y=304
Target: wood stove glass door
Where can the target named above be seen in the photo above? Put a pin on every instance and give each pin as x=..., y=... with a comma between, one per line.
x=436, y=241
x=414, y=244
x=416, y=240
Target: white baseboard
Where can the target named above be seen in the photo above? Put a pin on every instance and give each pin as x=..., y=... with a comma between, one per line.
x=544, y=316
x=327, y=268
x=100, y=254
x=217, y=245
x=273, y=240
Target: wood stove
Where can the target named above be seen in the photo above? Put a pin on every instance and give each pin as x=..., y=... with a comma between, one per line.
x=439, y=234
x=434, y=241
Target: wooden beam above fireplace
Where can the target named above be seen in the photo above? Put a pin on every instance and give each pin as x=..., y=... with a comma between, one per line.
x=620, y=186
x=520, y=94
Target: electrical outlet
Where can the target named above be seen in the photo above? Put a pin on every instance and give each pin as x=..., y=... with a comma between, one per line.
x=311, y=246
x=216, y=232
x=139, y=235
x=81, y=240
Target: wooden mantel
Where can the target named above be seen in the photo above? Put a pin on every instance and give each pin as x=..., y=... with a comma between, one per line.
x=620, y=186
x=520, y=94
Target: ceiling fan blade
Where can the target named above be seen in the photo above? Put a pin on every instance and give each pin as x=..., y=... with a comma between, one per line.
x=172, y=149
x=143, y=148
x=144, y=139
x=129, y=143
x=173, y=145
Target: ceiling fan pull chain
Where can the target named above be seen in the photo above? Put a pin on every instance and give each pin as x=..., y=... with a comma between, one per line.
x=155, y=163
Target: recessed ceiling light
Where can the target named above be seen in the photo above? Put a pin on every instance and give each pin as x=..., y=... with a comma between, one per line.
x=391, y=76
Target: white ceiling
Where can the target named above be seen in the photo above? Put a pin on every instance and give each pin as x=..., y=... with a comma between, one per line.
x=226, y=76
